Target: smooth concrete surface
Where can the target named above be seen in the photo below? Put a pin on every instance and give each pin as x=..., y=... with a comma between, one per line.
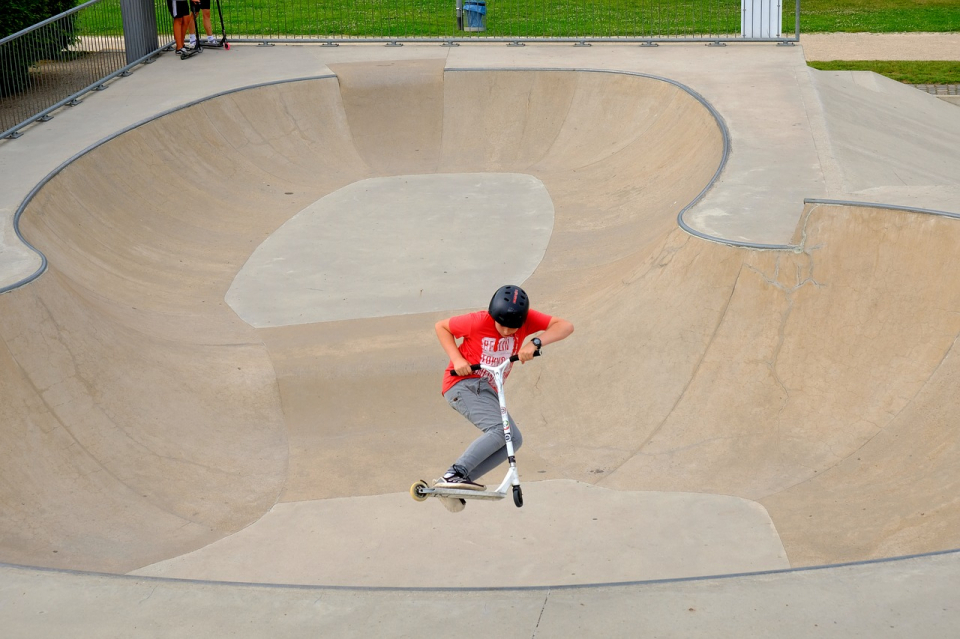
x=906, y=598
x=655, y=534
x=894, y=144
x=766, y=114
x=143, y=419
x=305, y=272
x=151, y=89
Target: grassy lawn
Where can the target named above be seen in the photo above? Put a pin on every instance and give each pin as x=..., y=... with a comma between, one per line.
x=876, y=16
x=572, y=18
x=937, y=72
x=564, y=18
x=885, y=16
x=504, y=18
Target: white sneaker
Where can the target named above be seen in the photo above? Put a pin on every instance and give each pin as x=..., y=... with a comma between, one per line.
x=192, y=38
x=211, y=39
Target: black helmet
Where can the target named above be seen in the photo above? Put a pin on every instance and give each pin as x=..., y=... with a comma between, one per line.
x=509, y=306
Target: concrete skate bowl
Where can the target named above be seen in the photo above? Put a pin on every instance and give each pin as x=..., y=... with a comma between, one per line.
x=144, y=419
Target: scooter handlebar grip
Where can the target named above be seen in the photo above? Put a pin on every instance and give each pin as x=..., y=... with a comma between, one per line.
x=473, y=367
x=476, y=367
x=515, y=358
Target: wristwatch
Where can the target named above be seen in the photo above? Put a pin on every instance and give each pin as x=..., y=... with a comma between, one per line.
x=536, y=342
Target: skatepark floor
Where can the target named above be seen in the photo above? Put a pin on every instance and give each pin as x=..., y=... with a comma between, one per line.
x=219, y=389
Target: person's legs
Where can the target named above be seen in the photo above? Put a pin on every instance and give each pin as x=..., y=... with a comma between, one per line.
x=172, y=7
x=178, y=32
x=189, y=28
x=477, y=401
x=207, y=25
x=500, y=456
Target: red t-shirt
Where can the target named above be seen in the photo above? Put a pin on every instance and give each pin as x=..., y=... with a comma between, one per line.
x=483, y=344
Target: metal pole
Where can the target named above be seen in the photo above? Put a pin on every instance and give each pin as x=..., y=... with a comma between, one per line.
x=139, y=28
x=796, y=24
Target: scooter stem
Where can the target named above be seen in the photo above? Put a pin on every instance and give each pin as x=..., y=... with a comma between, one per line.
x=497, y=373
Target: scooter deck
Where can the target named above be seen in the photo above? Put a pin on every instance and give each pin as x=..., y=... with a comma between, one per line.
x=200, y=46
x=462, y=493
x=216, y=44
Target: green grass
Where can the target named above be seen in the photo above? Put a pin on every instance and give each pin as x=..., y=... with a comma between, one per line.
x=560, y=18
x=875, y=16
x=505, y=18
x=573, y=18
x=911, y=72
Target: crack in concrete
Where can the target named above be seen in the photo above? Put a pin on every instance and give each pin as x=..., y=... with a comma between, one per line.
x=546, y=598
x=693, y=376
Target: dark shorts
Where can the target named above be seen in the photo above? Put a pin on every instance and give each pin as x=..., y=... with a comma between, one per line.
x=204, y=4
x=178, y=8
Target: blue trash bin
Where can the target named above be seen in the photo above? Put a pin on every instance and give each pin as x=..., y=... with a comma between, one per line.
x=475, y=15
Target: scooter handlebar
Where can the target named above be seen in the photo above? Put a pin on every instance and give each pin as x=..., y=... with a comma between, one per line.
x=513, y=358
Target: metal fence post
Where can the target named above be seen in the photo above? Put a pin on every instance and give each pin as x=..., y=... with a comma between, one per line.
x=139, y=28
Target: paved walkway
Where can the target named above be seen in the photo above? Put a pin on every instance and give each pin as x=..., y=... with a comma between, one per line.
x=881, y=46
x=940, y=89
x=949, y=93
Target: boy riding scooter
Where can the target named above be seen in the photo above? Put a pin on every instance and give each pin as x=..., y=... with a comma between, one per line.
x=490, y=338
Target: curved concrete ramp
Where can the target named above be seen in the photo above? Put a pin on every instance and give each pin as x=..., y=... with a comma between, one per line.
x=143, y=419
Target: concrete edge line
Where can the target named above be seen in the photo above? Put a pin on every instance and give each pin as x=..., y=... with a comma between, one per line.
x=445, y=40
x=723, y=161
x=721, y=124
x=37, y=117
x=587, y=586
x=877, y=205
x=680, y=216
x=716, y=115
x=78, y=155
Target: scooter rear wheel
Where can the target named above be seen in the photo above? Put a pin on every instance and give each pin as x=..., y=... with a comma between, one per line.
x=416, y=491
x=517, y=496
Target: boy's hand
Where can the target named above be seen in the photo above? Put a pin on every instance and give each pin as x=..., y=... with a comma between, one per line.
x=462, y=367
x=525, y=354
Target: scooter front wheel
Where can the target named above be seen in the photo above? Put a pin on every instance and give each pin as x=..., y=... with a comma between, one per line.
x=517, y=496
x=416, y=491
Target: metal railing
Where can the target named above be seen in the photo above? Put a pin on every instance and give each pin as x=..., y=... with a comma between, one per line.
x=53, y=63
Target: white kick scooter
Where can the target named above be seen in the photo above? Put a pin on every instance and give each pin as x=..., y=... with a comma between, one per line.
x=421, y=489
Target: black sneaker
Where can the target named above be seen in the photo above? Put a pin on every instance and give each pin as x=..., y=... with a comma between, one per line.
x=453, y=480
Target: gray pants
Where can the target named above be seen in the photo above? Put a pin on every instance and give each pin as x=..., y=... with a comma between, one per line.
x=476, y=400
